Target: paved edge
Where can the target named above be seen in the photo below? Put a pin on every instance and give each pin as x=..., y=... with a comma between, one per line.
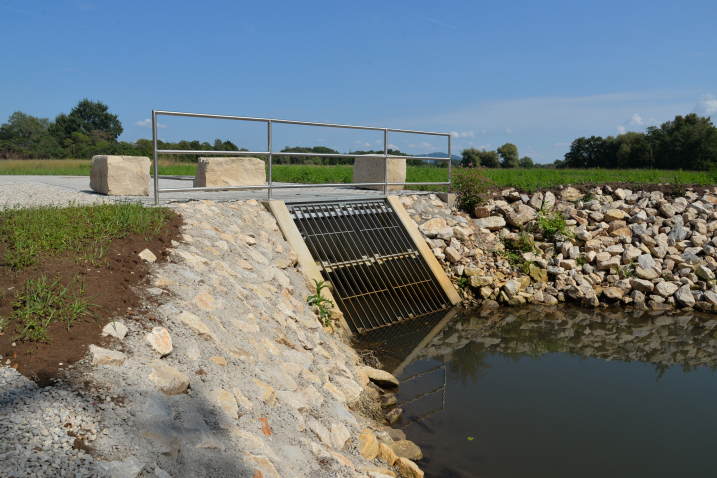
x=423, y=249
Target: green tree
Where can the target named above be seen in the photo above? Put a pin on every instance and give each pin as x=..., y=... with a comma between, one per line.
x=688, y=142
x=585, y=153
x=526, y=163
x=509, y=156
x=489, y=159
x=23, y=127
x=87, y=117
x=471, y=158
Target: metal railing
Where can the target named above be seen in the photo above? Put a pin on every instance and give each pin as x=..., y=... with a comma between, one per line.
x=269, y=154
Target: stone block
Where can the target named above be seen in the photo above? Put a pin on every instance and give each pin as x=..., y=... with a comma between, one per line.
x=217, y=172
x=120, y=175
x=369, y=169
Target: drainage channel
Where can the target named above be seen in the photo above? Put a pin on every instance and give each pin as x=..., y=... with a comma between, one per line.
x=377, y=274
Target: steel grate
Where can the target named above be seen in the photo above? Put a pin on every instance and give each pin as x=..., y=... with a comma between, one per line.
x=377, y=275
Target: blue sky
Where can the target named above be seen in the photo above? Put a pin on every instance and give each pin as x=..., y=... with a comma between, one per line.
x=537, y=74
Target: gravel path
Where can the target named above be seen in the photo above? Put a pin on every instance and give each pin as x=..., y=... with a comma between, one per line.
x=34, y=424
x=27, y=194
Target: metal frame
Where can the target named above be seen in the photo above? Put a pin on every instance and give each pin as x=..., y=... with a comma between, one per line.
x=270, y=186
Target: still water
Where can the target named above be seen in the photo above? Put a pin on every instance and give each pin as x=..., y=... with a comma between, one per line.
x=557, y=392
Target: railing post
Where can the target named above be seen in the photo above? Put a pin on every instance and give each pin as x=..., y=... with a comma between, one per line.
x=269, y=159
x=156, y=167
x=449, y=163
x=385, y=162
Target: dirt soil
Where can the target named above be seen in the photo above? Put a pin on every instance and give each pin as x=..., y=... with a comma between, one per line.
x=111, y=289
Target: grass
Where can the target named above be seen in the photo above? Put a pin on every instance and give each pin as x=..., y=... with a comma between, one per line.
x=29, y=234
x=42, y=303
x=527, y=180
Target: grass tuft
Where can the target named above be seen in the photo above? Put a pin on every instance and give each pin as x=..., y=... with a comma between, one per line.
x=29, y=234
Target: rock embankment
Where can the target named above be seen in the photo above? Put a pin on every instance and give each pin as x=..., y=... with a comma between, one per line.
x=226, y=371
x=641, y=250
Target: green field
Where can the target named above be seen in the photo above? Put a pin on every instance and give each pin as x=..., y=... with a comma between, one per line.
x=526, y=180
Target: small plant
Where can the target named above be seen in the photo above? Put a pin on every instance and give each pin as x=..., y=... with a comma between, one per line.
x=667, y=275
x=472, y=188
x=580, y=260
x=514, y=248
x=626, y=271
x=587, y=198
x=41, y=303
x=324, y=305
x=552, y=223
x=462, y=282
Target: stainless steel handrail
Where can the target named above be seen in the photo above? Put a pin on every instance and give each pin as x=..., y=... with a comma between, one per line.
x=269, y=154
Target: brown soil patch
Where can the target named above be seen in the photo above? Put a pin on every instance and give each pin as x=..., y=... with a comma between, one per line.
x=110, y=288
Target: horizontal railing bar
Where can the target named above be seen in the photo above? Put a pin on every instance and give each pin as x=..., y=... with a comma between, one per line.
x=273, y=153
x=305, y=123
x=210, y=153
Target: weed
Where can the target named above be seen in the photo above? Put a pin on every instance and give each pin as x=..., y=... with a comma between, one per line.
x=626, y=271
x=472, y=188
x=324, y=305
x=514, y=248
x=580, y=260
x=462, y=282
x=667, y=275
x=552, y=223
x=587, y=198
x=40, y=303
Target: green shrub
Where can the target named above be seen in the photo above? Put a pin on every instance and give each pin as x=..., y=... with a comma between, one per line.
x=552, y=223
x=472, y=188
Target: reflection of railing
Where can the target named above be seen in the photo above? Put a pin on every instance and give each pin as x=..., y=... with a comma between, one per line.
x=269, y=153
x=441, y=389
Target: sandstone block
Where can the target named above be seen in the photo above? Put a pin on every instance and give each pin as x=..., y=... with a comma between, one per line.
x=168, y=380
x=407, y=449
x=368, y=446
x=493, y=223
x=120, y=175
x=115, y=329
x=159, y=340
x=408, y=468
x=369, y=169
x=102, y=356
x=381, y=377
x=216, y=172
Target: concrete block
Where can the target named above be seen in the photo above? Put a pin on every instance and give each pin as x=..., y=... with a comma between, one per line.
x=120, y=175
x=216, y=172
x=369, y=169
x=448, y=198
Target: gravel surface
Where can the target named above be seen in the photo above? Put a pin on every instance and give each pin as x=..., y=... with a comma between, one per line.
x=27, y=194
x=34, y=426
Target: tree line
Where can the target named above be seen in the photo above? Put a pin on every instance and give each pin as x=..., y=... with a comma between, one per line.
x=504, y=157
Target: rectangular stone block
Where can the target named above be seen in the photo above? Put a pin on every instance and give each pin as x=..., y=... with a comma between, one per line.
x=216, y=172
x=369, y=169
x=120, y=175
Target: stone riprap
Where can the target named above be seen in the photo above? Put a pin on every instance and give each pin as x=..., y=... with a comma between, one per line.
x=236, y=376
x=370, y=169
x=120, y=175
x=638, y=249
x=242, y=171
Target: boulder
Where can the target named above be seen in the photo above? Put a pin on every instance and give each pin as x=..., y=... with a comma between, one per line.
x=642, y=285
x=433, y=227
x=120, y=175
x=381, y=377
x=159, y=340
x=520, y=215
x=168, y=380
x=369, y=169
x=548, y=200
x=571, y=194
x=665, y=289
x=536, y=201
x=407, y=449
x=481, y=212
x=492, y=223
x=615, y=215
x=102, y=356
x=684, y=296
x=480, y=281
x=613, y=292
x=368, y=446
x=217, y=172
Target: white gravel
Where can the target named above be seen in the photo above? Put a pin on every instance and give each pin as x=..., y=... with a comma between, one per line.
x=29, y=194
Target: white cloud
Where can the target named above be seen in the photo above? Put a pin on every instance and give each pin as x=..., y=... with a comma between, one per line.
x=620, y=130
x=508, y=131
x=484, y=131
x=560, y=145
x=378, y=141
x=483, y=146
x=422, y=145
x=148, y=124
x=636, y=120
x=464, y=134
x=707, y=105
x=392, y=146
x=362, y=144
x=321, y=140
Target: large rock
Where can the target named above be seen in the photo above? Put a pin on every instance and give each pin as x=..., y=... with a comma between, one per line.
x=433, y=227
x=120, y=175
x=102, y=356
x=381, y=377
x=665, y=289
x=520, y=215
x=548, y=200
x=493, y=223
x=216, y=172
x=571, y=194
x=168, y=380
x=368, y=446
x=159, y=340
x=407, y=449
x=684, y=296
x=369, y=169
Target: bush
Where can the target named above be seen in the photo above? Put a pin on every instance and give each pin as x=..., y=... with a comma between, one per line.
x=471, y=187
x=551, y=224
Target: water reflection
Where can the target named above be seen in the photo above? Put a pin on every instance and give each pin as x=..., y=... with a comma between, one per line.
x=556, y=391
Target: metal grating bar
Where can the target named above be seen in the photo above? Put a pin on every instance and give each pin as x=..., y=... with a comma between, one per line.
x=362, y=249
